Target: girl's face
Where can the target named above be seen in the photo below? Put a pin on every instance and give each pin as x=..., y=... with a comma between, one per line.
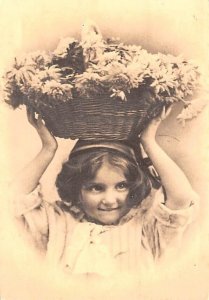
x=105, y=198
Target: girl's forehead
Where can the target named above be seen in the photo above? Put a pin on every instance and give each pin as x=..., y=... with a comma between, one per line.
x=110, y=166
x=108, y=172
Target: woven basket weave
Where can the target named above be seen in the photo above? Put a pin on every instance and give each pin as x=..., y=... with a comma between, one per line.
x=104, y=119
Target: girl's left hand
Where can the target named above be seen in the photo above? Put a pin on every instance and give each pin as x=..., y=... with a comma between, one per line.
x=149, y=133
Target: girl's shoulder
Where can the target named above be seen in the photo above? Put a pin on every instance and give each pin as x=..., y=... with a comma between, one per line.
x=155, y=208
x=155, y=196
x=34, y=210
x=33, y=202
x=24, y=203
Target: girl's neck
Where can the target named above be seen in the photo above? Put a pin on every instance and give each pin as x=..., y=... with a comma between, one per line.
x=91, y=220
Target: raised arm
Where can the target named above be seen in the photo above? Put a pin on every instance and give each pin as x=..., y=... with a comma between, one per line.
x=178, y=189
x=27, y=180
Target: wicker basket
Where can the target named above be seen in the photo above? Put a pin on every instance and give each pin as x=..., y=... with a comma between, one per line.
x=104, y=119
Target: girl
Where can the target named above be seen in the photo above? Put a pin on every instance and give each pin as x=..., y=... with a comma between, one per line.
x=109, y=217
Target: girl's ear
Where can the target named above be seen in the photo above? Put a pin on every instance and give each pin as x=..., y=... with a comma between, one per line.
x=133, y=200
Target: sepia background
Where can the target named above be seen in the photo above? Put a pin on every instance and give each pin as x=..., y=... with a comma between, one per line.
x=180, y=27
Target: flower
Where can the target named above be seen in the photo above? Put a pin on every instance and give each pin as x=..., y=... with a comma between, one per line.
x=120, y=94
x=192, y=109
x=63, y=45
x=39, y=59
x=21, y=72
x=56, y=89
x=95, y=66
x=49, y=73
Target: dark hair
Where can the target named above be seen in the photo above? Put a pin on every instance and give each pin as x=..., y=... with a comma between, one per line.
x=86, y=163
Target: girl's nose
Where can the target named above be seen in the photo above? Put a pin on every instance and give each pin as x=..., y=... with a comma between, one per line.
x=110, y=198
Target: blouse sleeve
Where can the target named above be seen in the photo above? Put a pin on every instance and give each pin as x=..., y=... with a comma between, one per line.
x=163, y=227
x=22, y=204
x=31, y=212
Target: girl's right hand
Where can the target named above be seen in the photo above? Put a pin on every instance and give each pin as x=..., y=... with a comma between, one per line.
x=49, y=142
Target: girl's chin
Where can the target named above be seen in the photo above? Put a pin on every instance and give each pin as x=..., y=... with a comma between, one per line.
x=107, y=218
x=107, y=222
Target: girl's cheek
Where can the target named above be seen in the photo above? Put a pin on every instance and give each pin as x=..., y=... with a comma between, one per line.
x=90, y=199
x=126, y=195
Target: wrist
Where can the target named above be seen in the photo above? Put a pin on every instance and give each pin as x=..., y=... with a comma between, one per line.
x=49, y=149
x=50, y=146
x=148, y=143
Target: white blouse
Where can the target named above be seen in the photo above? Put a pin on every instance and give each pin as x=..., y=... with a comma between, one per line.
x=146, y=234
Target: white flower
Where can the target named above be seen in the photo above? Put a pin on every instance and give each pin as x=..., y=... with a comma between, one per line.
x=109, y=57
x=118, y=93
x=21, y=72
x=49, y=73
x=193, y=109
x=95, y=66
x=54, y=88
x=40, y=58
x=87, y=76
x=91, y=35
x=91, y=42
x=61, y=50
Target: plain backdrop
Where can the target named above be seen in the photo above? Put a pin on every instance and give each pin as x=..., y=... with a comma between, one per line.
x=177, y=27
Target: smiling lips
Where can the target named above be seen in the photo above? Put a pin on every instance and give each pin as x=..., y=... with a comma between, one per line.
x=109, y=209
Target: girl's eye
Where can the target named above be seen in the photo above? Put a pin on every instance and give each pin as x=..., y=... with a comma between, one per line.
x=95, y=188
x=122, y=186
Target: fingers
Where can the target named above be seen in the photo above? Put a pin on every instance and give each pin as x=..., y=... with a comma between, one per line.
x=163, y=115
x=168, y=111
x=34, y=118
x=165, y=112
x=39, y=121
x=31, y=116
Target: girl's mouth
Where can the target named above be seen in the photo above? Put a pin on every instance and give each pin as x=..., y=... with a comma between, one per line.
x=109, y=209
